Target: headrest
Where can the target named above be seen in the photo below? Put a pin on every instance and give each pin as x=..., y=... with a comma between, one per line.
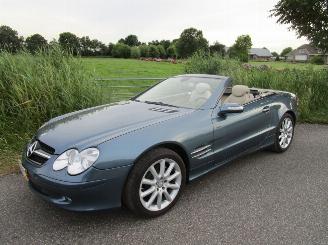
x=201, y=88
x=240, y=90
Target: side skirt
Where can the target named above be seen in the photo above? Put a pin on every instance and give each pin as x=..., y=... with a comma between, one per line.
x=197, y=173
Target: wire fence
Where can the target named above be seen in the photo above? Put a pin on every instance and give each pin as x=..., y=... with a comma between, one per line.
x=116, y=89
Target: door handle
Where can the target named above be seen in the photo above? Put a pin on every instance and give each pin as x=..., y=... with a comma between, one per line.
x=266, y=109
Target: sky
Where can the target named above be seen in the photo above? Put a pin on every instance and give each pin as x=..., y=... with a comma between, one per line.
x=108, y=20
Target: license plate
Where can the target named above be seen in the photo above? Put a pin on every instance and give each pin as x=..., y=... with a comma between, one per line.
x=24, y=172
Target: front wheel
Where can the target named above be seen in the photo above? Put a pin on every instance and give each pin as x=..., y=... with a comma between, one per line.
x=155, y=183
x=284, y=134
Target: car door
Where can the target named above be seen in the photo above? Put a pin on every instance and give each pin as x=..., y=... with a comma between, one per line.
x=236, y=133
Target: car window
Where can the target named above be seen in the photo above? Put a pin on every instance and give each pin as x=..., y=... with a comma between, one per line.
x=190, y=92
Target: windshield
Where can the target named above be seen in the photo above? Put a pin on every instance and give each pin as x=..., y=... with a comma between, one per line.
x=189, y=92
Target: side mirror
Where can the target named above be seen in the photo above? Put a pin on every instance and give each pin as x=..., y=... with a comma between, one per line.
x=230, y=108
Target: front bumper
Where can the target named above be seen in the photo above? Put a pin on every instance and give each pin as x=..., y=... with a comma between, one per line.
x=99, y=194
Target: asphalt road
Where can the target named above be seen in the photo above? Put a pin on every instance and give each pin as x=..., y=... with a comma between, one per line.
x=264, y=198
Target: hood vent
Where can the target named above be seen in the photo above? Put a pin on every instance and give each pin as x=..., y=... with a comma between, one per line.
x=160, y=109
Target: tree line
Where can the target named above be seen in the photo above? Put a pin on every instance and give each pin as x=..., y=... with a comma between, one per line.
x=190, y=41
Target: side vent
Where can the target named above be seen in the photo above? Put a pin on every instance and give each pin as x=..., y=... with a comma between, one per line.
x=160, y=109
x=201, y=151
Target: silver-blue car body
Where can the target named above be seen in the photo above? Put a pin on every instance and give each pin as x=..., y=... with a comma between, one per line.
x=216, y=129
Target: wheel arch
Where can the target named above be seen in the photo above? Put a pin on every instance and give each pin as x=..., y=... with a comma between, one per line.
x=293, y=114
x=174, y=146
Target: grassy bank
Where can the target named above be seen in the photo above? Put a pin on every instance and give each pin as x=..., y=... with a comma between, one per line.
x=110, y=67
x=34, y=89
x=310, y=85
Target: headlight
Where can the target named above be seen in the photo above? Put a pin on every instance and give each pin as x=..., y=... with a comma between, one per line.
x=62, y=161
x=76, y=162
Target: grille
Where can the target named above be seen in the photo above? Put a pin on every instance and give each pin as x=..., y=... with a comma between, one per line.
x=201, y=151
x=39, y=152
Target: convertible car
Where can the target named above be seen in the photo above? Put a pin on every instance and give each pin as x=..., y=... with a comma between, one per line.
x=140, y=153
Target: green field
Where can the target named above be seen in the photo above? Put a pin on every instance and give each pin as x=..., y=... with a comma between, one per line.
x=283, y=65
x=117, y=68
x=128, y=68
x=110, y=67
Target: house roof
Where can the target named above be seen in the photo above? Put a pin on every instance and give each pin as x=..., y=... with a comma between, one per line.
x=310, y=49
x=260, y=52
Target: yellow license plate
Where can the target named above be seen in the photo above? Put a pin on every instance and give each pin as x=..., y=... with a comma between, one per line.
x=24, y=172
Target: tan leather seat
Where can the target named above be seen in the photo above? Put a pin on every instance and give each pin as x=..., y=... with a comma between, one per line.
x=240, y=95
x=200, y=94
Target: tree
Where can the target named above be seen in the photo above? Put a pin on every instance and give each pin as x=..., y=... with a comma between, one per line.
x=121, y=50
x=276, y=56
x=154, y=42
x=243, y=43
x=130, y=40
x=285, y=51
x=35, y=42
x=110, y=49
x=171, y=51
x=165, y=43
x=153, y=51
x=190, y=41
x=309, y=18
x=241, y=47
x=69, y=42
x=86, y=46
x=102, y=49
x=144, y=50
x=217, y=48
x=9, y=39
x=161, y=50
x=135, y=52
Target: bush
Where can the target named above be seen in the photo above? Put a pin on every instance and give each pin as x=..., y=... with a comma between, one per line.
x=153, y=51
x=34, y=89
x=144, y=51
x=135, y=52
x=121, y=50
x=202, y=62
x=317, y=60
x=309, y=85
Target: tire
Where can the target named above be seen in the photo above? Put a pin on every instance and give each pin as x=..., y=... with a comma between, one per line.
x=277, y=146
x=160, y=189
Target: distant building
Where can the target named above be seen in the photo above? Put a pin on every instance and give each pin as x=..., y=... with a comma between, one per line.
x=260, y=54
x=305, y=53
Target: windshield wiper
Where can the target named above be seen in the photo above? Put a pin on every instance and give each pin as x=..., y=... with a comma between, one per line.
x=158, y=103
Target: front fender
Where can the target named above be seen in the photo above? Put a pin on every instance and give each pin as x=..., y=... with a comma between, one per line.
x=283, y=103
x=126, y=149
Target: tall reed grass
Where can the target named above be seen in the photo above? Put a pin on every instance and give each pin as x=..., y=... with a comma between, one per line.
x=311, y=86
x=36, y=88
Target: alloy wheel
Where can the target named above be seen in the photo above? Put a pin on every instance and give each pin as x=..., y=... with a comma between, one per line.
x=160, y=184
x=286, y=133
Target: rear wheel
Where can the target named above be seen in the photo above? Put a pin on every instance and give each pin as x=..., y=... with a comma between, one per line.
x=284, y=134
x=155, y=183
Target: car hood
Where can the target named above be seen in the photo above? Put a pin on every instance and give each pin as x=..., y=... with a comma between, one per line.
x=93, y=126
